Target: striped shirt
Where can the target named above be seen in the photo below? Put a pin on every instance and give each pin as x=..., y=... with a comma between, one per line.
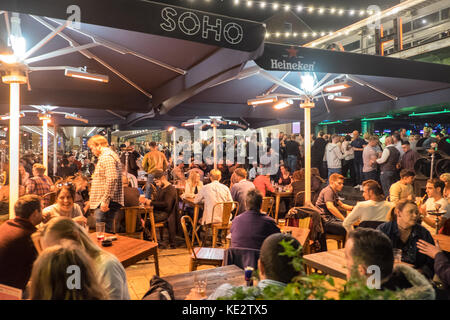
x=107, y=180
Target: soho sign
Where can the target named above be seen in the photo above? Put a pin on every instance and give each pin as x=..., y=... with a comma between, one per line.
x=189, y=23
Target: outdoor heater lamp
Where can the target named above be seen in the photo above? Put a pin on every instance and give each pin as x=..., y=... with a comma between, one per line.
x=82, y=74
x=75, y=117
x=283, y=104
x=257, y=101
x=337, y=86
x=342, y=98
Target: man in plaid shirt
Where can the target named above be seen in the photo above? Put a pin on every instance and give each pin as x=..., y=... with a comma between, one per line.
x=106, y=196
x=40, y=184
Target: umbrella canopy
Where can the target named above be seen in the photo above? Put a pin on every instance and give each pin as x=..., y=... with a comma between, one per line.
x=150, y=52
x=377, y=84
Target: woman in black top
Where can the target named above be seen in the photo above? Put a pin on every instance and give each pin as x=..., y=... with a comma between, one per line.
x=284, y=176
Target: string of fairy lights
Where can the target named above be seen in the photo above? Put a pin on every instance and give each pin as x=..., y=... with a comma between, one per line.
x=303, y=9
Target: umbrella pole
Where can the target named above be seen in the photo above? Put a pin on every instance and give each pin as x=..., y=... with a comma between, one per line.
x=307, y=105
x=45, y=145
x=55, y=149
x=174, y=149
x=215, y=145
x=14, y=147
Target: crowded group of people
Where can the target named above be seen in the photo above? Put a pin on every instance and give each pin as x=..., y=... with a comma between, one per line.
x=390, y=217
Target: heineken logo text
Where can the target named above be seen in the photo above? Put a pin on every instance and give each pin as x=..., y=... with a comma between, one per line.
x=294, y=66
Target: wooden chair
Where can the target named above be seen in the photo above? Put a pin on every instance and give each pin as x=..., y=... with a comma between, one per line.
x=267, y=205
x=338, y=238
x=227, y=208
x=131, y=214
x=154, y=226
x=200, y=255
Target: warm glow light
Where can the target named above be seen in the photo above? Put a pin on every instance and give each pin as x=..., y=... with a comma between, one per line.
x=333, y=10
x=311, y=9
x=352, y=12
x=321, y=10
x=287, y=7
x=342, y=99
x=305, y=35
x=283, y=104
x=262, y=4
x=236, y=2
x=249, y=3
x=341, y=11
x=276, y=6
x=189, y=124
x=336, y=87
x=8, y=58
x=86, y=75
x=254, y=102
x=299, y=8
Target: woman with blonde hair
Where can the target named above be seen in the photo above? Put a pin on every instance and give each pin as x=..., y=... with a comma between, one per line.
x=50, y=278
x=193, y=185
x=110, y=271
x=445, y=177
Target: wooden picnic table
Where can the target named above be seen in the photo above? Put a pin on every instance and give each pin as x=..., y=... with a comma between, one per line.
x=278, y=195
x=444, y=241
x=331, y=262
x=130, y=250
x=301, y=234
x=183, y=283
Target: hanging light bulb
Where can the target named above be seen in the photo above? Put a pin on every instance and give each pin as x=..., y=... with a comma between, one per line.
x=249, y=4
x=305, y=35
x=311, y=9
x=361, y=13
x=299, y=8
x=262, y=5
x=333, y=10
x=341, y=12
x=287, y=7
x=321, y=10
x=275, y=6
x=236, y=2
x=352, y=12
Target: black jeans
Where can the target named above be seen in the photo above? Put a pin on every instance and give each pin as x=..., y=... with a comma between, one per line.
x=348, y=165
x=357, y=167
x=334, y=226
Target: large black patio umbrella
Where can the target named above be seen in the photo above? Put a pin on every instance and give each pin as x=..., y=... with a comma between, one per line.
x=372, y=84
x=139, y=53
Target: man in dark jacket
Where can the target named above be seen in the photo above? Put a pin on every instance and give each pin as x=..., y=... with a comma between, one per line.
x=317, y=153
x=164, y=204
x=251, y=228
x=368, y=251
x=17, y=252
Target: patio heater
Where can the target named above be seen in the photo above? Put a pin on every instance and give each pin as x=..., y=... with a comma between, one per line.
x=14, y=76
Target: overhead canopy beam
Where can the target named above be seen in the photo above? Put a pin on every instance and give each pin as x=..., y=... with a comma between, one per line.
x=117, y=115
x=123, y=50
x=282, y=83
x=94, y=57
x=363, y=83
x=60, y=52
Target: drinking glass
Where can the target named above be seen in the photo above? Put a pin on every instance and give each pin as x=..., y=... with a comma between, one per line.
x=100, y=229
x=200, y=283
x=282, y=222
x=397, y=256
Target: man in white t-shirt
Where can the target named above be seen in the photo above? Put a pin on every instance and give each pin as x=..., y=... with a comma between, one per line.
x=435, y=202
x=375, y=208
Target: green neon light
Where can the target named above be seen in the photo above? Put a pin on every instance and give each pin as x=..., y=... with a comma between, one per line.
x=331, y=122
x=380, y=118
x=428, y=113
